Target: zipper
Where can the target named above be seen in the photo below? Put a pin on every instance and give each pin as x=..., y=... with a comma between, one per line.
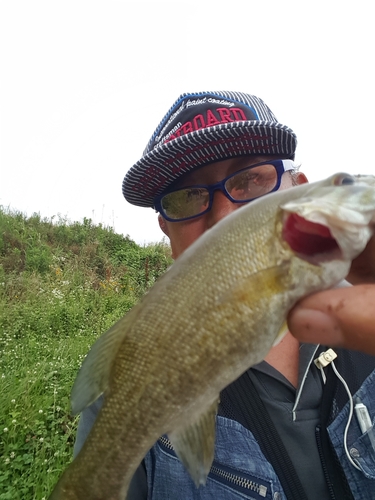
x=318, y=436
x=242, y=482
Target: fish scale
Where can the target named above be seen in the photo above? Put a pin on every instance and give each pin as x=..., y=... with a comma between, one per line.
x=215, y=313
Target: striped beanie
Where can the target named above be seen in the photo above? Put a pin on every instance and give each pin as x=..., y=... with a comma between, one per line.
x=202, y=128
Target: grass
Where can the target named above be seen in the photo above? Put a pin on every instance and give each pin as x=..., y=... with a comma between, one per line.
x=62, y=284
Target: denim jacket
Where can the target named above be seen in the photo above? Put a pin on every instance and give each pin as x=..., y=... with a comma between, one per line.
x=241, y=471
x=361, y=446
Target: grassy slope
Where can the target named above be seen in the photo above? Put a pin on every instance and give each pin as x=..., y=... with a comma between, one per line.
x=61, y=285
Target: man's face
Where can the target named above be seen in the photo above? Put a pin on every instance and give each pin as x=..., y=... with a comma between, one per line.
x=183, y=234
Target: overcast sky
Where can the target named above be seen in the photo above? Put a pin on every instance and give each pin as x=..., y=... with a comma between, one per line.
x=85, y=83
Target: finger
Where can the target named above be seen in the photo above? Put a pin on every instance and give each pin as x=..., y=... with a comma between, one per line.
x=342, y=317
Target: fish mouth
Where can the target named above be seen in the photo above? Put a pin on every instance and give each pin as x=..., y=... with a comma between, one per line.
x=311, y=241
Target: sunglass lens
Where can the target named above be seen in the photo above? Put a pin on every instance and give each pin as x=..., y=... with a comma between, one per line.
x=185, y=203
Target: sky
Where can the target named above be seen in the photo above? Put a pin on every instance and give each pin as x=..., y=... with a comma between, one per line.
x=83, y=85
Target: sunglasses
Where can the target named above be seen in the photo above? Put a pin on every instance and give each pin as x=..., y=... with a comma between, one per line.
x=243, y=186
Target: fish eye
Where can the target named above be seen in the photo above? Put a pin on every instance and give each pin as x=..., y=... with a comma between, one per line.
x=343, y=180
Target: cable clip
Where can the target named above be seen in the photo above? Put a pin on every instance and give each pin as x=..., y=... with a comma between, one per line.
x=321, y=362
x=325, y=358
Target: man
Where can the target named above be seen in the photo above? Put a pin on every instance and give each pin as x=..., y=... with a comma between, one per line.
x=272, y=439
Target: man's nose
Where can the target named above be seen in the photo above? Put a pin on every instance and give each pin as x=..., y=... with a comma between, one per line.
x=221, y=206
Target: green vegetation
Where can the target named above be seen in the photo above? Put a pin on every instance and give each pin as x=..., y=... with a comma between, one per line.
x=62, y=284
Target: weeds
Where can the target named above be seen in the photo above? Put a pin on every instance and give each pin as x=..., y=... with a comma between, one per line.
x=61, y=285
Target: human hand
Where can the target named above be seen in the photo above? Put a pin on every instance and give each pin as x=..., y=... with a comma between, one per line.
x=342, y=317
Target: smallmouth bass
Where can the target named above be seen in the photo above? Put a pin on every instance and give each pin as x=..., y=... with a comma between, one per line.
x=215, y=313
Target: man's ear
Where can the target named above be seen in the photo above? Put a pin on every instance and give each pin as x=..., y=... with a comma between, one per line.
x=163, y=225
x=300, y=178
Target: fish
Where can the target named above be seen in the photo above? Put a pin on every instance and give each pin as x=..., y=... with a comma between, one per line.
x=216, y=312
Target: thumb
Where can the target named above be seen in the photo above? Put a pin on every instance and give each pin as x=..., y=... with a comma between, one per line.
x=343, y=317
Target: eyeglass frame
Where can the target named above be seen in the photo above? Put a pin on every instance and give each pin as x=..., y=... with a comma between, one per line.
x=281, y=166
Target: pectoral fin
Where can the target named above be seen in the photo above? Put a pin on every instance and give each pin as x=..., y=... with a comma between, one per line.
x=270, y=284
x=266, y=282
x=195, y=444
